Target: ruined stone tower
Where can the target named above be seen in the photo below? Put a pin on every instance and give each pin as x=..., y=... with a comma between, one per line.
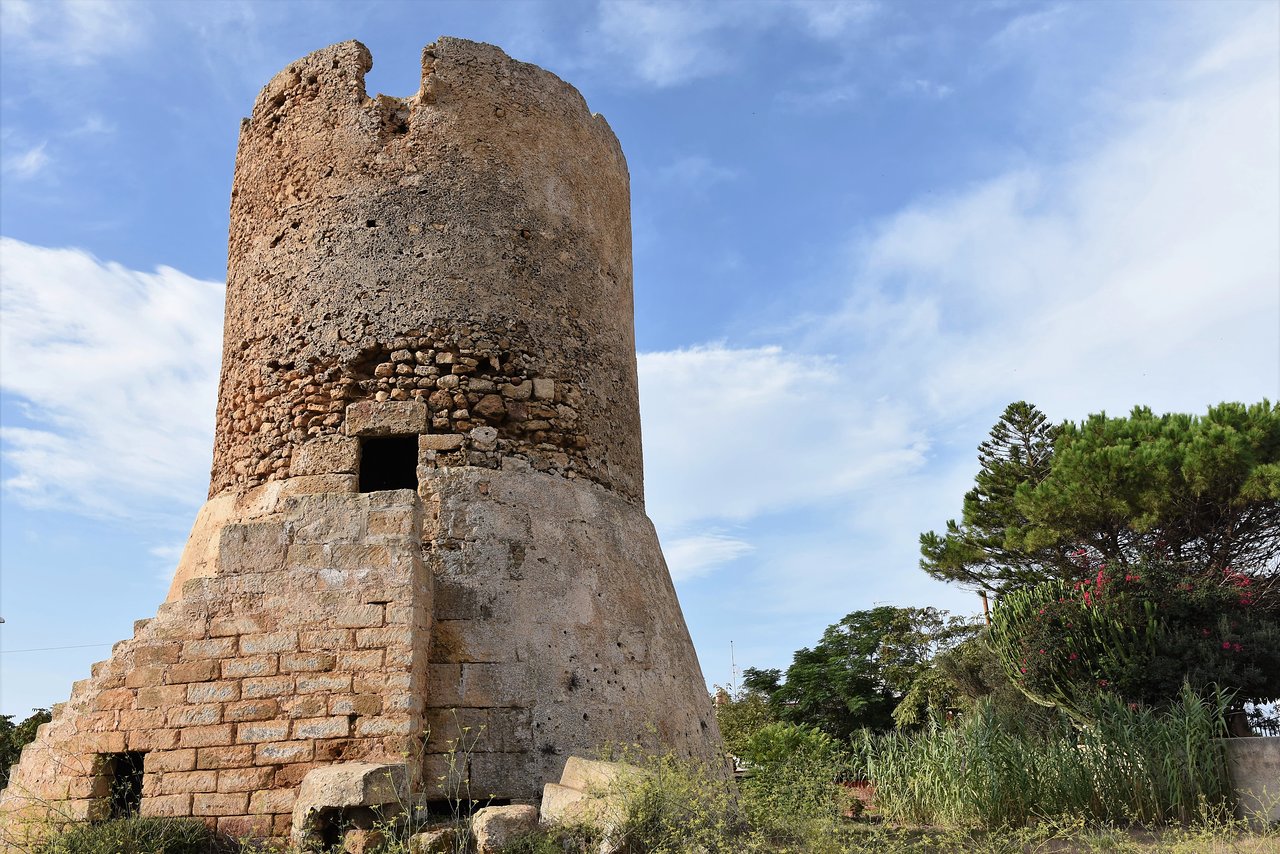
x=426, y=505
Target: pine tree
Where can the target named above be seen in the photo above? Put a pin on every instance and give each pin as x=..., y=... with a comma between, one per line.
x=986, y=550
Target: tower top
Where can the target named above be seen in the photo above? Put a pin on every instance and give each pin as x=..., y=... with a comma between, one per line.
x=454, y=264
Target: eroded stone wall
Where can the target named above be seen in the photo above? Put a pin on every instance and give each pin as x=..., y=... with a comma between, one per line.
x=556, y=632
x=468, y=246
x=308, y=645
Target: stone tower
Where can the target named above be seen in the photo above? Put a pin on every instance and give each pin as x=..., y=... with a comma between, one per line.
x=426, y=506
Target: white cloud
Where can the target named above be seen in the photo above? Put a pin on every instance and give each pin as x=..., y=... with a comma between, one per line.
x=821, y=97
x=667, y=43
x=833, y=19
x=71, y=32
x=28, y=163
x=925, y=88
x=695, y=174
x=115, y=373
x=1143, y=269
x=734, y=434
x=693, y=556
x=664, y=42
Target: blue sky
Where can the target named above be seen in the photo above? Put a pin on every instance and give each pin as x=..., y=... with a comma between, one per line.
x=861, y=229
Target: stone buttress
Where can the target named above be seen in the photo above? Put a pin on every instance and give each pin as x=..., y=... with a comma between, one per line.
x=426, y=516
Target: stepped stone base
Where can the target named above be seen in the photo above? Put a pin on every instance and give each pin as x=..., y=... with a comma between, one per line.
x=477, y=630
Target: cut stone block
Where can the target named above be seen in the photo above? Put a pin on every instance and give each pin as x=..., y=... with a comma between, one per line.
x=494, y=828
x=327, y=792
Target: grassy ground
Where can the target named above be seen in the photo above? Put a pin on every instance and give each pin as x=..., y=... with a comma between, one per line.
x=1226, y=839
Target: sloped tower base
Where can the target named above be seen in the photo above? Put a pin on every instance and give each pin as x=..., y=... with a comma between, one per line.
x=529, y=614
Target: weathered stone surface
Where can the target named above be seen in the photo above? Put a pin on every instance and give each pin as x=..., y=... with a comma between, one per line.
x=386, y=419
x=318, y=483
x=444, y=442
x=442, y=840
x=493, y=828
x=326, y=455
x=1254, y=764
x=347, y=785
x=593, y=776
x=565, y=805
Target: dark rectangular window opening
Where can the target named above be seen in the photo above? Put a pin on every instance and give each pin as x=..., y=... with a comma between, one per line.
x=388, y=462
x=124, y=776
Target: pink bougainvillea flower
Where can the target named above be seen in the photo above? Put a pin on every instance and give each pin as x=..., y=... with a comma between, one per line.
x=1226, y=644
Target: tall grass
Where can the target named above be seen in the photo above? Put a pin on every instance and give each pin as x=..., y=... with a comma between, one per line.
x=992, y=770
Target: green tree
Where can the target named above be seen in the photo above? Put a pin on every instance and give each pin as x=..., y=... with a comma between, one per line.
x=741, y=715
x=958, y=679
x=985, y=550
x=1199, y=492
x=860, y=670
x=1129, y=553
x=1203, y=493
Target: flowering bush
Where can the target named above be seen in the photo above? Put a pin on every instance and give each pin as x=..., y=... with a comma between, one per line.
x=1139, y=633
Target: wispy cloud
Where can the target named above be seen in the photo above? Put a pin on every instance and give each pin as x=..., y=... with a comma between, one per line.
x=665, y=43
x=694, y=174
x=115, y=373
x=833, y=19
x=1135, y=272
x=924, y=88
x=27, y=163
x=824, y=97
x=71, y=32
x=693, y=556
x=732, y=434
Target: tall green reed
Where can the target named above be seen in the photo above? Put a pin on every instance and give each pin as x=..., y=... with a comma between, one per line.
x=992, y=770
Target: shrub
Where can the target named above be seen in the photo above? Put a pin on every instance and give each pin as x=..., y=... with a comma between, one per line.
x=138, y=836
x=993, y=770
x=740, y=715
x=793, y=791
x=1138, y=634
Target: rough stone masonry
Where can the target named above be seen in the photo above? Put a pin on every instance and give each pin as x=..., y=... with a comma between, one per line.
x=425, y=515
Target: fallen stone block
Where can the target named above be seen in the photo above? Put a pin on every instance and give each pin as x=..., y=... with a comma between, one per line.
x=347, y=793
x=442, y=840
x=493, y=828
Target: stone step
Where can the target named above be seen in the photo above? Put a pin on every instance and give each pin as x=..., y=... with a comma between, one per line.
x=561, y=804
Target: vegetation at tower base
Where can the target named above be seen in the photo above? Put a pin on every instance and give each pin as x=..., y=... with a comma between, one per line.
x=997, y=769
x=860, y=670
x=140, y=836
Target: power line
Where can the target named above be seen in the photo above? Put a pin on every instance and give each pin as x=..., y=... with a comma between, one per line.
x=48, y=648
